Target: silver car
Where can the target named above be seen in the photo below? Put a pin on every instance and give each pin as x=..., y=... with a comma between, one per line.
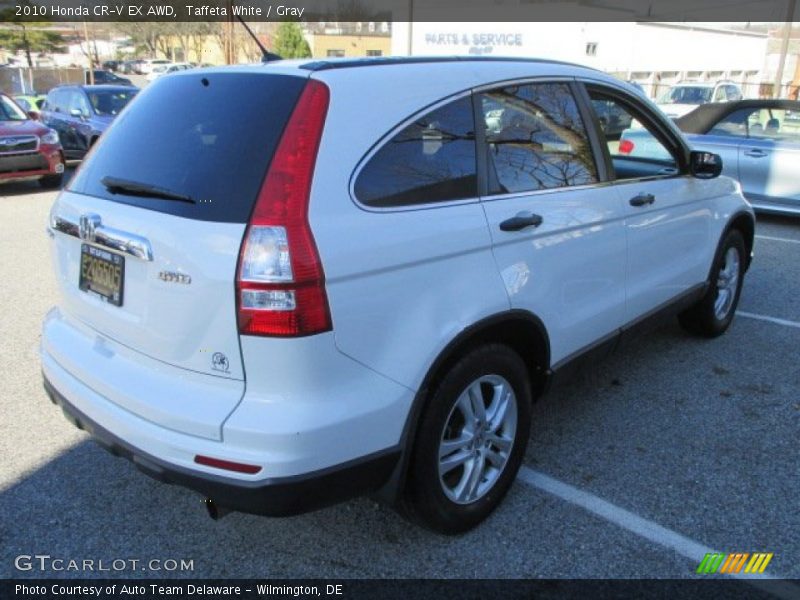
x=758, y=140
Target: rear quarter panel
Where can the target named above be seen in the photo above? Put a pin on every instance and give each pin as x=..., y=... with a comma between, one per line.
x=401, y=284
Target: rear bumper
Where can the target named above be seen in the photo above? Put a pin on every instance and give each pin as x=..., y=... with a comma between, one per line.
x=281, y=496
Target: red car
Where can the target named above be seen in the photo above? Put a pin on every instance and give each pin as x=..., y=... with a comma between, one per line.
x=28, y=149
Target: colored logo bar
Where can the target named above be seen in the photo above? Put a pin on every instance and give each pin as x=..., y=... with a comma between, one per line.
x=717, y=562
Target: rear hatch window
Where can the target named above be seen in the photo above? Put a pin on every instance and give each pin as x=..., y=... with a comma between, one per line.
x=205, y=137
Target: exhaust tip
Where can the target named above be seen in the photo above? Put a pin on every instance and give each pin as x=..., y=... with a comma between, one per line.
x=215, y=511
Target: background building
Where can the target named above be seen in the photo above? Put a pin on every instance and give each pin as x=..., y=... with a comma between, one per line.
x=653, y=54
x=349, y=39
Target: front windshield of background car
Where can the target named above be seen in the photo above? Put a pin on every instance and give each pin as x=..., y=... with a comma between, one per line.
x=9, y=111
x=110, y=102
x=686, y=94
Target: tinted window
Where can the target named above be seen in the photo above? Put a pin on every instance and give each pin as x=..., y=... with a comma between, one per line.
x=685, y=94
x=183, y=134
x=535, y=139
x=110, y=102
x=431, y=160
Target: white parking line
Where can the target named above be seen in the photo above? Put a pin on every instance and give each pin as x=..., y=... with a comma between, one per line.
x=776, y=320
x=647, y=529
x=777, y=239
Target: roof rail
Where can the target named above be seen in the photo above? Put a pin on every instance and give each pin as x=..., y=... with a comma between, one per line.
x=348, y=63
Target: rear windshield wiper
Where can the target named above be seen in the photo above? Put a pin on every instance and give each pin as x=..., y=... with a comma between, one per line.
x=134, y=188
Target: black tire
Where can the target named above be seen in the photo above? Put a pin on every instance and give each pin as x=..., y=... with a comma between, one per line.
x=425, y=499
x=51, y=181
x=705, y=318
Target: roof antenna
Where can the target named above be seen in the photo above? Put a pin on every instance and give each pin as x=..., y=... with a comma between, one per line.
x=266, y=55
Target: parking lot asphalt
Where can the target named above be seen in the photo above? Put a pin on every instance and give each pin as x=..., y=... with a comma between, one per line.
x=699, y=437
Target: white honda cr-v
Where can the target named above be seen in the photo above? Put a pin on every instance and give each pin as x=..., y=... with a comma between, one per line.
x=358, y=277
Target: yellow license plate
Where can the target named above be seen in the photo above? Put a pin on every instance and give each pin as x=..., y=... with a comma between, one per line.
x=102, y=273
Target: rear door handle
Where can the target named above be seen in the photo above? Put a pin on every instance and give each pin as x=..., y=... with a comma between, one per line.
x=755, y=153
x=642, y=199
x=521, y=221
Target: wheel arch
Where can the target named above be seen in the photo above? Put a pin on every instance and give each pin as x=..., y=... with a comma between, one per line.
x=521, y=330
x=745, y=222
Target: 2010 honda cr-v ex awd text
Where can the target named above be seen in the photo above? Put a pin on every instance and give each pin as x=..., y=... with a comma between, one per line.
x=358, y=280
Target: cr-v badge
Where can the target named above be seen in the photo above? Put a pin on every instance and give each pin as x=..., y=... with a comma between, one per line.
x=173, y=277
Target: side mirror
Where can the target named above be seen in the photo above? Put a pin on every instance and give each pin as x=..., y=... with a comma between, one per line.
x=34, y=115
x=705, y=165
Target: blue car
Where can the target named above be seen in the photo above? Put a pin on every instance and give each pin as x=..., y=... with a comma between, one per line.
x=81, y=113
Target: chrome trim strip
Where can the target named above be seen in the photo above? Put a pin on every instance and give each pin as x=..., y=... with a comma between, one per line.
x=65, y=226
x=107, y=237
x=126, y=243
x=523, y=81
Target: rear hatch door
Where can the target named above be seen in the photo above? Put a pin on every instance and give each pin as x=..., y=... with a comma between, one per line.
x=146, y=238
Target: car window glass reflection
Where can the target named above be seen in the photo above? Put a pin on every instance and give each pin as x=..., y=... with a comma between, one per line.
x=110, y=103
x=431, y=160
x=535, y=139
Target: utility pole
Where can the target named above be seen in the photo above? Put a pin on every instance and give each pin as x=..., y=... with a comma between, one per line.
x=784, y=49
x=88, y=53
x=229, y=52
x=410, y=27
x=26, y=45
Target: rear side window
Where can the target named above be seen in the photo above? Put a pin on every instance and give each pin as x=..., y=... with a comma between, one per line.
x=207, y=136
x=535, y=138
x=432, y=160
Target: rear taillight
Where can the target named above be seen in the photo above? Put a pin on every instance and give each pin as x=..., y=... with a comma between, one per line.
x=280, y=286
